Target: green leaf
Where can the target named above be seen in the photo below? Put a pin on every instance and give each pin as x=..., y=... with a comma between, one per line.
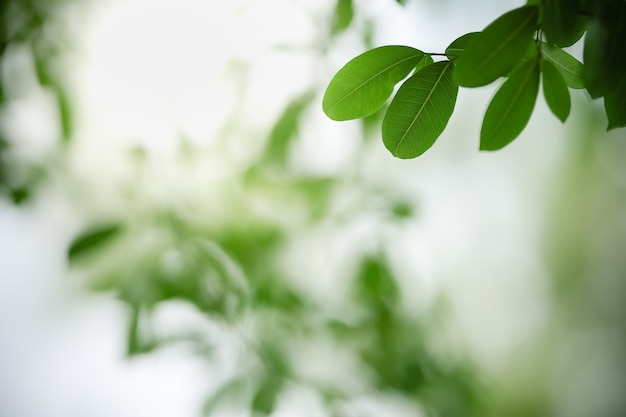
x=555, y=91
x=511, y=107
x=375, y=285
x=92, y=239
x=420, y=111
x=344, y=13
x=560, y=18
x=65, y=115
x=456, y=48
x=497, y=49
x=285, y=128
x=615, y=105
x=424, y=62
x=570, y=68
x=604, y=54
x=19, y=195
x=264, y=399
x=364, y=84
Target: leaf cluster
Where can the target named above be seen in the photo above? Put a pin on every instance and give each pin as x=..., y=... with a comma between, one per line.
x=523, y=47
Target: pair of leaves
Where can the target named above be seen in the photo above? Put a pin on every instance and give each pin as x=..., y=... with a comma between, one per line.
x=421, y=108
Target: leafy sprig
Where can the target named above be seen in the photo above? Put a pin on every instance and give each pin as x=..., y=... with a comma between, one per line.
x=524, y=46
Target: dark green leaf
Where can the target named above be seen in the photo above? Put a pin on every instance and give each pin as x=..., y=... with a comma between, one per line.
x=457, y=47
x=364, y=84
x=555, y=91
x=511, y=107
x=604, y=50
x=570, y=68
x=420, y=111
x=19, y=195
x=265, y=398
x=615, y=105
x=344, y=13
x=92, y=239
x=560, y=19
x=497, y=49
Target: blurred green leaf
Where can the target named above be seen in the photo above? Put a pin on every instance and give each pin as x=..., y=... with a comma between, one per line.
x=375, y=285
x=604, y=54
x=555, y=91
x=65, y=114
x=560, y=19
x=615, y=105
x=285, y=128
x=402, y=209
x=19, y=195
x=364, y=84
x=92, y=239
x=232, y=391
x=511, y=107
x=420, y=111
x=497, y=49
x=344, y=13
x=264, y=399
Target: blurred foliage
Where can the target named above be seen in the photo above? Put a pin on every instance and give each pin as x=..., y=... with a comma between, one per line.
x=230, y=270
x=35, y=26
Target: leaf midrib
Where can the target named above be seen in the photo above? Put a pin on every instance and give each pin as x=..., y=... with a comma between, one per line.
x=516, y=96
x=430, y=93
x=550, y=55
x=495, y=52
x=378, y=74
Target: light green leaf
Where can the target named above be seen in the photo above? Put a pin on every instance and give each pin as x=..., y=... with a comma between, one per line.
x=511, y=107
x=364, y=84
x=570, y=68
x=344, y=13
x=424, y=62
x=560, y=21
x=555, y=91
x=456, y=48
x=615, y=105
x=497, y=49
x=285, y=129
x=420, y=111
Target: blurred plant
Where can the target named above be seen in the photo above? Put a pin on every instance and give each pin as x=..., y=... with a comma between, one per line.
x=230, y=271
x=230, y=268
x=36, y=28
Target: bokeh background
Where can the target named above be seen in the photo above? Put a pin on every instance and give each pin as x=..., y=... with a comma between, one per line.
x=184, y=232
